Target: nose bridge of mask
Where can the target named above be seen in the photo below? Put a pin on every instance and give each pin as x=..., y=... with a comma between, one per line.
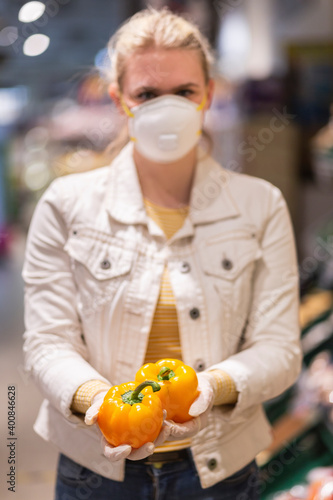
x=131, y=115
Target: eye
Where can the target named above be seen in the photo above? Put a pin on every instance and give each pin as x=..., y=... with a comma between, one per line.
x=146, y=96
x=185, y=92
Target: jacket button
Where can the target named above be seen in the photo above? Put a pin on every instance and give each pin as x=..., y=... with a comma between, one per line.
x=227, y=264
x=185, y=267
x=194, y=313
x=105, y=264
x=212, y=464
x=199, y=365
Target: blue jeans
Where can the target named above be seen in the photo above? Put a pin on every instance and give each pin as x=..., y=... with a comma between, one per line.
x=173, y=481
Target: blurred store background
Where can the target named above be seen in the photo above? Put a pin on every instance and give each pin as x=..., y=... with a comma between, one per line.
x=272, y=117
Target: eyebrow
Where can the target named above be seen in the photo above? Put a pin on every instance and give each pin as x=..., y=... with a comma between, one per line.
x=147, y=88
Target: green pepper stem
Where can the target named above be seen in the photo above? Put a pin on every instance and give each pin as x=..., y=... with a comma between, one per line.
x=154, y=385
x=165, y=373
x=132, y=397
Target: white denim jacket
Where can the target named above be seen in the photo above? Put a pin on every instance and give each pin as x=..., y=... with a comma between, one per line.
x=92, y=273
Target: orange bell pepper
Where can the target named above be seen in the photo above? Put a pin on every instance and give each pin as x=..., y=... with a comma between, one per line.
x=179, y=386
x=127, y=416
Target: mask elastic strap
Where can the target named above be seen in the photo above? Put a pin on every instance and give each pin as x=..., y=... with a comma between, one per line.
x=125, y=107
x=200, y=108
x=203, y=102
x=128, y=112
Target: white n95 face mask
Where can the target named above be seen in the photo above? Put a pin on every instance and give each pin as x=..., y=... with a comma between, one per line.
x=165, y=128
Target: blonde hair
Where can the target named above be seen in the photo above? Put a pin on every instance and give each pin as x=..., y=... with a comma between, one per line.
x=151, y=28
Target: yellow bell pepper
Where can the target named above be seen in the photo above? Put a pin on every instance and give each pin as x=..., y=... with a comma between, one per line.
x=179, y=386
x=127, y=416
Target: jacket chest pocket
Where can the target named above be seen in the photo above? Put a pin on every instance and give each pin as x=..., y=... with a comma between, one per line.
x=230, y=256
x=101, y=268
x=228, y=261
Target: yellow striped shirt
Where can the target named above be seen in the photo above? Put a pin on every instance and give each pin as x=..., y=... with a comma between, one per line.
x=164, y=341
x=164, y=335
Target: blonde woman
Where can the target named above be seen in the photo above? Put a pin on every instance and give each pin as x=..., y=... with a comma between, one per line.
x=162, y=253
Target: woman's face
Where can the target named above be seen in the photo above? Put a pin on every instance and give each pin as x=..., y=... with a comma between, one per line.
x=155, y=72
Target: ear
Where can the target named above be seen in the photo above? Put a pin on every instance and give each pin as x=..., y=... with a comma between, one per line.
x=113, y=91
x=210, y=93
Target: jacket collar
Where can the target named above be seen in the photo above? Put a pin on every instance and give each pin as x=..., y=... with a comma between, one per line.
x=211, y=199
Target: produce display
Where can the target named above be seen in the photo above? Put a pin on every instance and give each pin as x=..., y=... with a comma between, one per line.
x=319, y=487
x=127, y=416
x=179, y=386
x=321, y=490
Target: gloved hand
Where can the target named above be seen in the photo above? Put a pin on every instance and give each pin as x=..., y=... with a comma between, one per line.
x=92, y=412
x=115, y=453
x=199, y=409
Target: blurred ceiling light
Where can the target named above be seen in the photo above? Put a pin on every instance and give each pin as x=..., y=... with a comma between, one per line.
x=260, y=19
x=36, y=45
x=31, y=11
x=234, y=44
x=12, y=102
x=8, y=36
x=36, y=176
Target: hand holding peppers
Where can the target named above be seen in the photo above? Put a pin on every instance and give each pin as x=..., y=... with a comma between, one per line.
x=127, y=416
x=199, y=410
x=131, y=416
x=186, y=396
x=122, y=451
x=179, y=386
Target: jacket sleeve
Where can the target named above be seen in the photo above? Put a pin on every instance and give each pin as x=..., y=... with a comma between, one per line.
x=55, y=355
x=270, y=357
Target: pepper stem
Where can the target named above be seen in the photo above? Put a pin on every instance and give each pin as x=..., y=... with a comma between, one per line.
x=136, y=396
x=165, y=373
